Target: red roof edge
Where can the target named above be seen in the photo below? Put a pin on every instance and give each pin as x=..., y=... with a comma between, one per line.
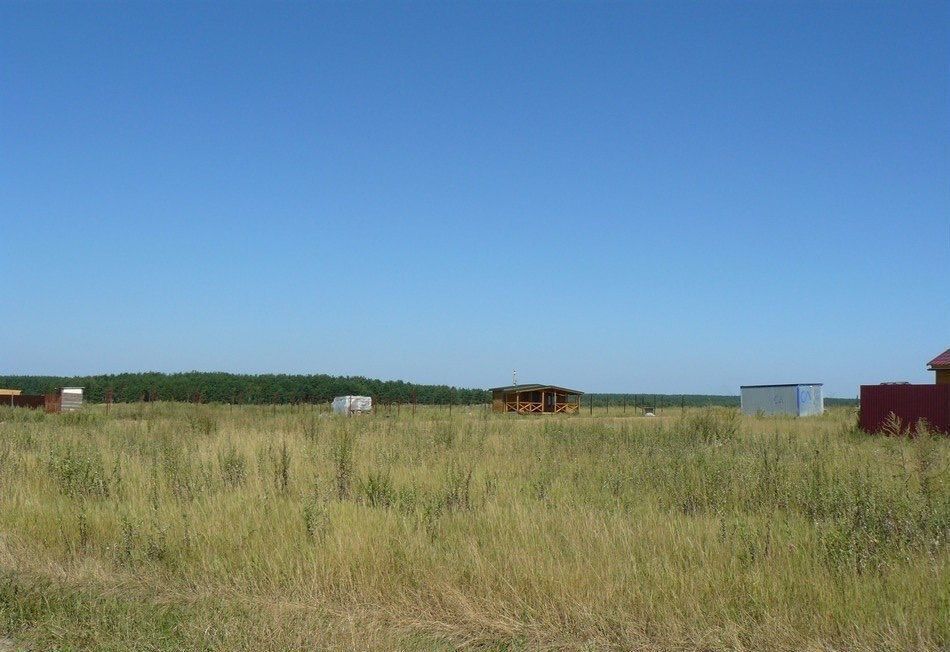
x=942, y=360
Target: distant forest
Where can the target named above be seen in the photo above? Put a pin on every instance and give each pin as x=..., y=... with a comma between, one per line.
x=215, y=387
x=677, y=400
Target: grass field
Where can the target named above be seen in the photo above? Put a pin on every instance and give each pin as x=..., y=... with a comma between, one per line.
x=174, y=526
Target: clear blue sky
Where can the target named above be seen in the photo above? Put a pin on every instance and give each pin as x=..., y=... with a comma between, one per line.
x=668, y=197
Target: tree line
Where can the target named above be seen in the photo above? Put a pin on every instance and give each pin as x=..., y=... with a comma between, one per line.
x=680, y=400
x=217, y=387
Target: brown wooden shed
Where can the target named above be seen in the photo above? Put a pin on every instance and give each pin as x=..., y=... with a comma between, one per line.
x=536, y=399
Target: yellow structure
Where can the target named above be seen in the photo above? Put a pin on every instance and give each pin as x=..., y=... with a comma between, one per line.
x=10, y=392
x=941, y=367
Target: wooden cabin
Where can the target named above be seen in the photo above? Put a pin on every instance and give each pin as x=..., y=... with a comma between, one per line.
x=536, y=399
x=941, y=368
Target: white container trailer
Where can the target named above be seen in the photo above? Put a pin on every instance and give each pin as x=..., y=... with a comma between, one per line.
x=798, y=399
x=352, y=404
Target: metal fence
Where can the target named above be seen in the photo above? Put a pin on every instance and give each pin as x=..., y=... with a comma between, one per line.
x=884, y=407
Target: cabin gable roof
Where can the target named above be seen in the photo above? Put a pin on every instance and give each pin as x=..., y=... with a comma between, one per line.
x=942, y=361
x=534, y=388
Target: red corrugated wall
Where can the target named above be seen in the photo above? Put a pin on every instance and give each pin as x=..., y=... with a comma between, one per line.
x=50, y=402
x=909, y=403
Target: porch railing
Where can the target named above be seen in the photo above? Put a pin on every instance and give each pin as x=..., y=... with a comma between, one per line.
x=523, y=407
x=527, y=407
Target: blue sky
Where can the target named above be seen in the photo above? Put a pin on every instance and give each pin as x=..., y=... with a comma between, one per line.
x=668, y=197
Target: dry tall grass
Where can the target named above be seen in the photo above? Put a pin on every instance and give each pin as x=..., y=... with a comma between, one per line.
x=165, y=526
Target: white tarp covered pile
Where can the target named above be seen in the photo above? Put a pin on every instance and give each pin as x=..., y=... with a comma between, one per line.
x=352, y=404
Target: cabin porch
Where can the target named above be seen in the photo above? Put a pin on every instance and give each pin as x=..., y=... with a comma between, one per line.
x=536, y=399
